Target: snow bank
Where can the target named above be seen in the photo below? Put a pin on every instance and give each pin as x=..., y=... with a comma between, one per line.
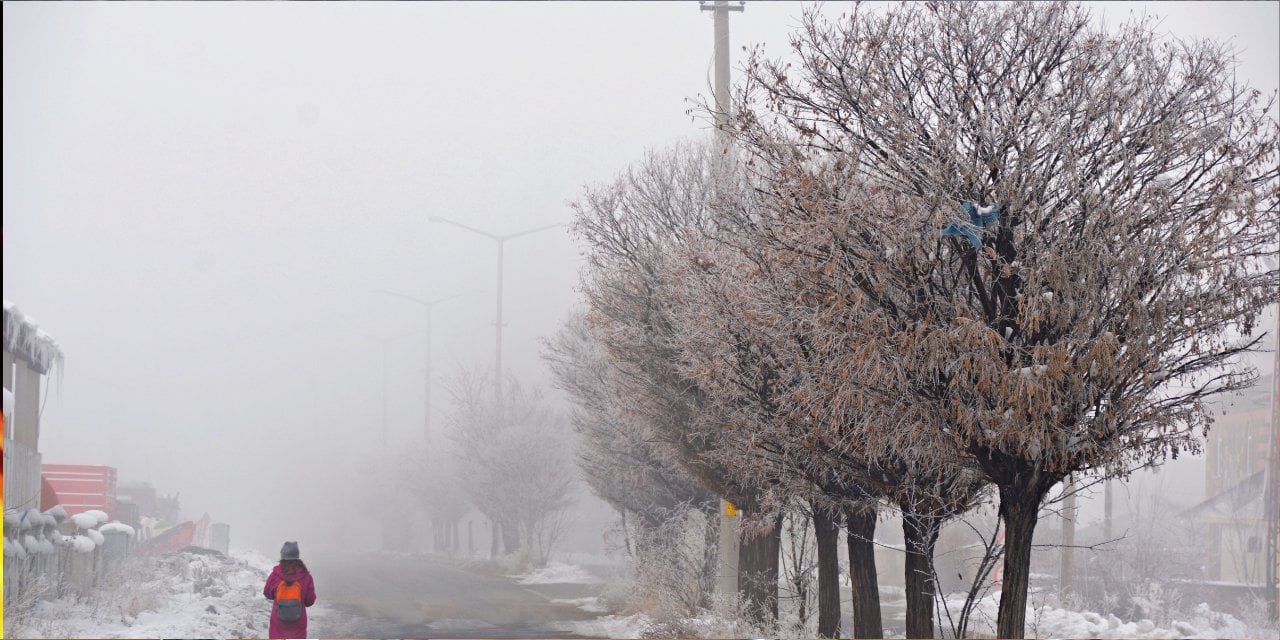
x=557, y=573
x=255, y=560
x=1053, y=622
x=178, y=595
x=632, y=626
x=590, y=604
x=1202, y=622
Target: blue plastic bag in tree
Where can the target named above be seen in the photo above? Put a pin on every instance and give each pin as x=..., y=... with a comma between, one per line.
x=979, y=218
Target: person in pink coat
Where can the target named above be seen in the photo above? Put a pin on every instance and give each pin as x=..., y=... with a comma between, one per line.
x=291, y=571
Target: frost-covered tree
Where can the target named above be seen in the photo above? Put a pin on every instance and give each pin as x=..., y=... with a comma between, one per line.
x=626, y=468
x=1050, y=236
x=629, y=229
x=429, y=475
x=622, y=465
x=758, y=336
x=692, y=321
x=515, y=461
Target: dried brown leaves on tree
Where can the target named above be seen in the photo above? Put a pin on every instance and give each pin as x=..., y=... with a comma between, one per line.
x=1135, y=192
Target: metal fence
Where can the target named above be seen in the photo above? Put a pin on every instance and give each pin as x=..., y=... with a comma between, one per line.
x=21, y=476
x=64, y=572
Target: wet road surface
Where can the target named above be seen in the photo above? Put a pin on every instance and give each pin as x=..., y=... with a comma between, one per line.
x=384, y=596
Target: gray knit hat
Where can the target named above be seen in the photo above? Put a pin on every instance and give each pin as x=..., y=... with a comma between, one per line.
x=289, y=551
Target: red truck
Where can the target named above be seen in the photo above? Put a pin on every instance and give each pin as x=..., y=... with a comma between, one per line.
x=78, y=488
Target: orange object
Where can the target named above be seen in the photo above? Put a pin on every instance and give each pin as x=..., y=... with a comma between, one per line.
x=289, y=600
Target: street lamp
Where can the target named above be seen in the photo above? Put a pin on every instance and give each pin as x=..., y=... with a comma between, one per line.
x=501, y=240
x=429, y=304
x=384, y=341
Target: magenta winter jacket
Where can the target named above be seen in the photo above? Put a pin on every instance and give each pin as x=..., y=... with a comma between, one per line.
x=297, y=629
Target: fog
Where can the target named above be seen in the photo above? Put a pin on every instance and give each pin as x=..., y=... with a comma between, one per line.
x=200, y=201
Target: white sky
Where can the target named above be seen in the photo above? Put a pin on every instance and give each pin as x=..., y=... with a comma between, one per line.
x=200, y=198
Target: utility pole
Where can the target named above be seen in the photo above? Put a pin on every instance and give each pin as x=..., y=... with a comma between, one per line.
x=388, y=518
x=1271, y=477
x=1106, y=510
x=727, y=582
x=501, y=240
x=384, y=395
x=429, y=304
x=720, y=13
x=1067, y=576
x=384, y=343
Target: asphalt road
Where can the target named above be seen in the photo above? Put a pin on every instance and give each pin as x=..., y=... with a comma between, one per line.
x=383, y=596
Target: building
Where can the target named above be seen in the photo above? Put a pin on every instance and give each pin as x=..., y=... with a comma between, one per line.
x=79, y=488
x=1235, y=523
x=1239, y=442
x=30, y=355
x=1240, y=514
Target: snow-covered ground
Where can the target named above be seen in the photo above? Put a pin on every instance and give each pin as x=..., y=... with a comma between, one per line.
x=590, y=604
x=557, y=573
x=616, y=626
x=1201, y=622
x=1053, y=622
x=1042, y=622
x=180, y=595
x=1046, y=622
x=208, y=595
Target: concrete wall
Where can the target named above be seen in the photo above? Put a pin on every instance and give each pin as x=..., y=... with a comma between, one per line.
x=26, y=407
x=21, y=451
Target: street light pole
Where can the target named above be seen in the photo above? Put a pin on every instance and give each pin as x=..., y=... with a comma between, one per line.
x=384, y=341
x=497, y=338
x=501, y=240
x=429, y=304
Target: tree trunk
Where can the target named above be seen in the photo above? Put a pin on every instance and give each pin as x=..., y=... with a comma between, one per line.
x=495, y=536
x=827, y=531
x=861, y=525
x=1019, y=508
x=758, y=571
x=510, y=537
x=920, y=533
